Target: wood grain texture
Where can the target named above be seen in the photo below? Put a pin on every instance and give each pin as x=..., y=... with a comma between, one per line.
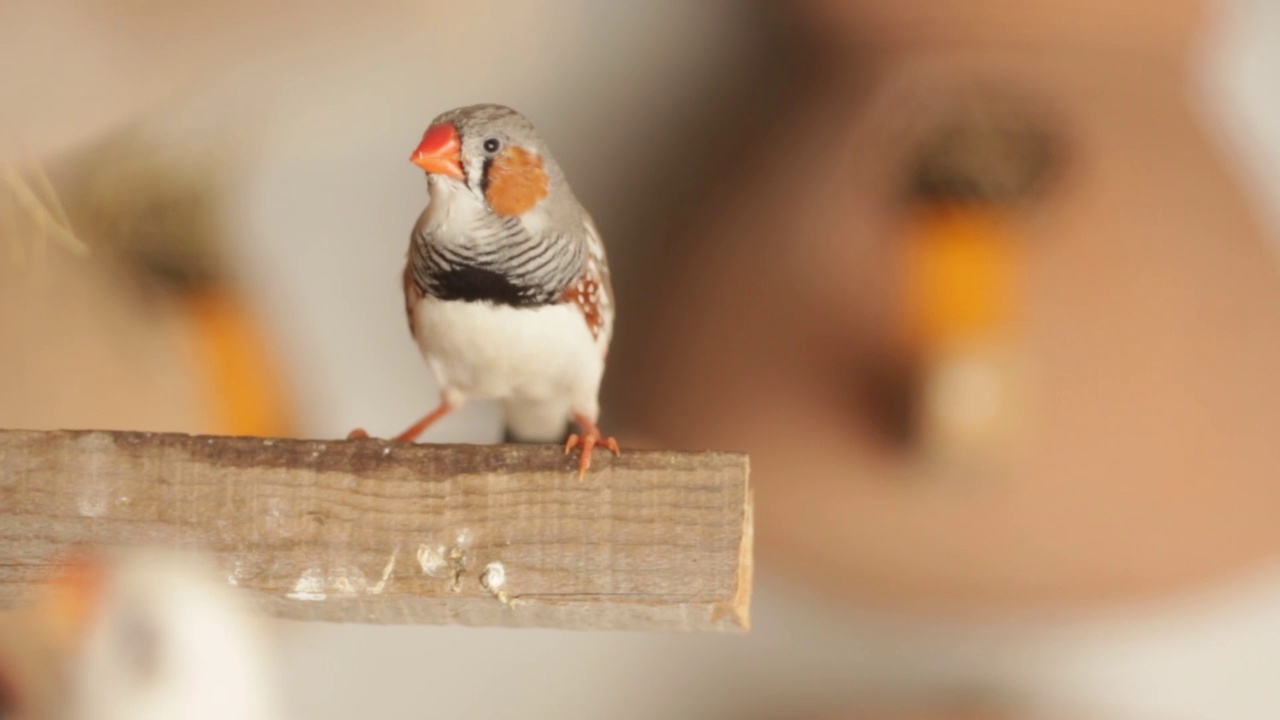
x=370, y=531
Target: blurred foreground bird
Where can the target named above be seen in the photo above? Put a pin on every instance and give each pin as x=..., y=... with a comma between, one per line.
x=153, y=635
x=507, y=285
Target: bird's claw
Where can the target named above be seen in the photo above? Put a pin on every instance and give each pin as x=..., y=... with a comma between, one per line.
x=361, y=433
x=588, y=441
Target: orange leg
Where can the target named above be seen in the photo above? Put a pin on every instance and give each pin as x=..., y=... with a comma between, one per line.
x=588, y=440
x=414, y=430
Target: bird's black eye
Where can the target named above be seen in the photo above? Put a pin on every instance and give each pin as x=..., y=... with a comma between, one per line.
x=491, y=145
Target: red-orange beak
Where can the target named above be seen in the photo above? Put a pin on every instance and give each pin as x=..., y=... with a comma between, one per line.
x=439, y=151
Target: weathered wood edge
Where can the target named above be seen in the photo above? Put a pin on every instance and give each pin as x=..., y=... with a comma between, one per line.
x=572, y=612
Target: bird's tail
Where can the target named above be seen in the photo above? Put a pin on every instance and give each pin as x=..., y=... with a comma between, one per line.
x=536, y=421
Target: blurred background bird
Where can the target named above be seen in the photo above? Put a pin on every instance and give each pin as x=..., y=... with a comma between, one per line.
x=131, y=634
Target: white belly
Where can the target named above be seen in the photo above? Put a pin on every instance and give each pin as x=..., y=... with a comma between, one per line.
x=483, y=350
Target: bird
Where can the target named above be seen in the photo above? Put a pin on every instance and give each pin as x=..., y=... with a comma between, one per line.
x=507, y=288
x=149, y=632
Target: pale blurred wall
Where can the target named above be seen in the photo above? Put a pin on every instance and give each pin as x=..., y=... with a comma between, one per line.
x=326, y=199
x=1241, y=92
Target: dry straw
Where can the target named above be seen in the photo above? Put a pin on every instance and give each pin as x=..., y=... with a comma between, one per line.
x=31, y=214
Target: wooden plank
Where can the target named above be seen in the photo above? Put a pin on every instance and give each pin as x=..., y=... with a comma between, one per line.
x=369, y=531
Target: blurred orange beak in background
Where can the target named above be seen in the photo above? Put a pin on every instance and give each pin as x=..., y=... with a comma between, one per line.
x=961, y=299
x=961, y=273
x=71, y=598
x=238, y=373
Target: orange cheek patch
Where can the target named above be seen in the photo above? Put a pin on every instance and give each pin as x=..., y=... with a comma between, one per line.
x=516, y=182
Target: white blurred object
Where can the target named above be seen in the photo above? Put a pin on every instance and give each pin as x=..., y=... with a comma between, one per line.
x=155, y=635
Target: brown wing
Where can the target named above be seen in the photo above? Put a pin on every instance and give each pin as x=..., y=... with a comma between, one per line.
x=586, y=293
x=412, y=294
x=592, y=292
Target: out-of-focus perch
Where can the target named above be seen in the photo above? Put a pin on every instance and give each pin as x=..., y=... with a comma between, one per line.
x=376, y=532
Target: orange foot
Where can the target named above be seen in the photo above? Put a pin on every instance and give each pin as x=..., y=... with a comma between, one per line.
x=588, y=440
x=361, y=433
x=414, y=430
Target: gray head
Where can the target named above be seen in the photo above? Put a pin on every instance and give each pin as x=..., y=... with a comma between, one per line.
x=497, y=153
